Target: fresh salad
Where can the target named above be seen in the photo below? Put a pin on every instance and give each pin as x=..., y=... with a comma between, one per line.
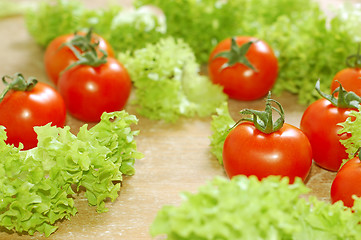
x=307, y=43
x=246, y=208
x=96, y=57
x=36, y=184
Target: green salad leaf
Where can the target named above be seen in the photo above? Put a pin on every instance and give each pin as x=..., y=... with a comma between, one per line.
x=36, y=184
x=167, y=82
x=352, y=127
x=221, y=124
x=124, y=29
x=50, y=19
x=202, y=24
x=246, y=208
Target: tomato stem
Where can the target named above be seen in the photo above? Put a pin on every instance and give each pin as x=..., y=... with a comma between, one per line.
x=88, y=51
x=356, y=57
x=263, y=120
x=345, y=99
x=18, y=83
x=236, y=54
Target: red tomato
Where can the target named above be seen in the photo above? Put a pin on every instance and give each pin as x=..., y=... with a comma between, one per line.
x=347, y=182
x=240, y=81
x=319, y=123
x=89, y=91
x=20, y=111
x=350, y=78
x=57, y=57
x=248, y=151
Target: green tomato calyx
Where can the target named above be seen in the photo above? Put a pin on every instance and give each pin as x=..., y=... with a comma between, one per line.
x=17, y=83
x=263, y=120
x=356, y=57
x=88, y=51
x=236, y=54
x=344, y=99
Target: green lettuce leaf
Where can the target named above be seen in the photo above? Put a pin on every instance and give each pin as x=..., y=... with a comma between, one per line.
x=246, y=208
x=221, y=124
x=202, y=24
x=352, y=127
x=50, y=19
x=31, y=201
x=125, y=30
x=36, y=184
x=167, y=82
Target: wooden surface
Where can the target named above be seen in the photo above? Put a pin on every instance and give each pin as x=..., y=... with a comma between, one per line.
x=177, y=156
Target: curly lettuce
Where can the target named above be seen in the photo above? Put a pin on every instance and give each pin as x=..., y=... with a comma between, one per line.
x=352, y=127
x=168, y=84
x=36, y=184
x=246, y=208
x=221, y=124
x=50, y=19
x=125, y=29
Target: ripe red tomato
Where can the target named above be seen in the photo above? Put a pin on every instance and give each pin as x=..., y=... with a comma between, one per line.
x=20, y=111
x=89, y=91
x=57, y=56
x=319, y=123
x=248, y=151
x=346, y=183
x=350, y=78
x=233, y=68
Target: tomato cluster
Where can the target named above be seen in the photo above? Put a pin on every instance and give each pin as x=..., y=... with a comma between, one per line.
x=247, y=69
x=88, y=79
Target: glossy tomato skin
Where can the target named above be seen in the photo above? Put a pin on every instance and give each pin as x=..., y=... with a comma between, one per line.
x=346, y=183
x=57, y=57
x=90, y=91
x=350, y=78
x=20, y=111
x=248, y=151
x=319, y=123
x=239, y=81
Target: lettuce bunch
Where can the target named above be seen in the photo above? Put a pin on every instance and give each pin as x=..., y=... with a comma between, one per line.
x=167, y=82
x=125, y=29
x=221, y=124
x=37, y=184
x=249, y=209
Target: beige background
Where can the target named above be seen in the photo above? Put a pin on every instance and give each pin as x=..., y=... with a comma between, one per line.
x=177, y=156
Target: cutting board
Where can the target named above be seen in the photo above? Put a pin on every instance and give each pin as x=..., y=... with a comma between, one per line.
x=177, y=155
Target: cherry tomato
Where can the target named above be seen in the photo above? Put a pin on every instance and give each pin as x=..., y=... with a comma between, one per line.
x=89, y=91
x=346, y=183
x=320, y=123
x=58, y=56
x=20, y=111
x=258, y=146
x=350, y=78
x=248, y=151
x=246, y=67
